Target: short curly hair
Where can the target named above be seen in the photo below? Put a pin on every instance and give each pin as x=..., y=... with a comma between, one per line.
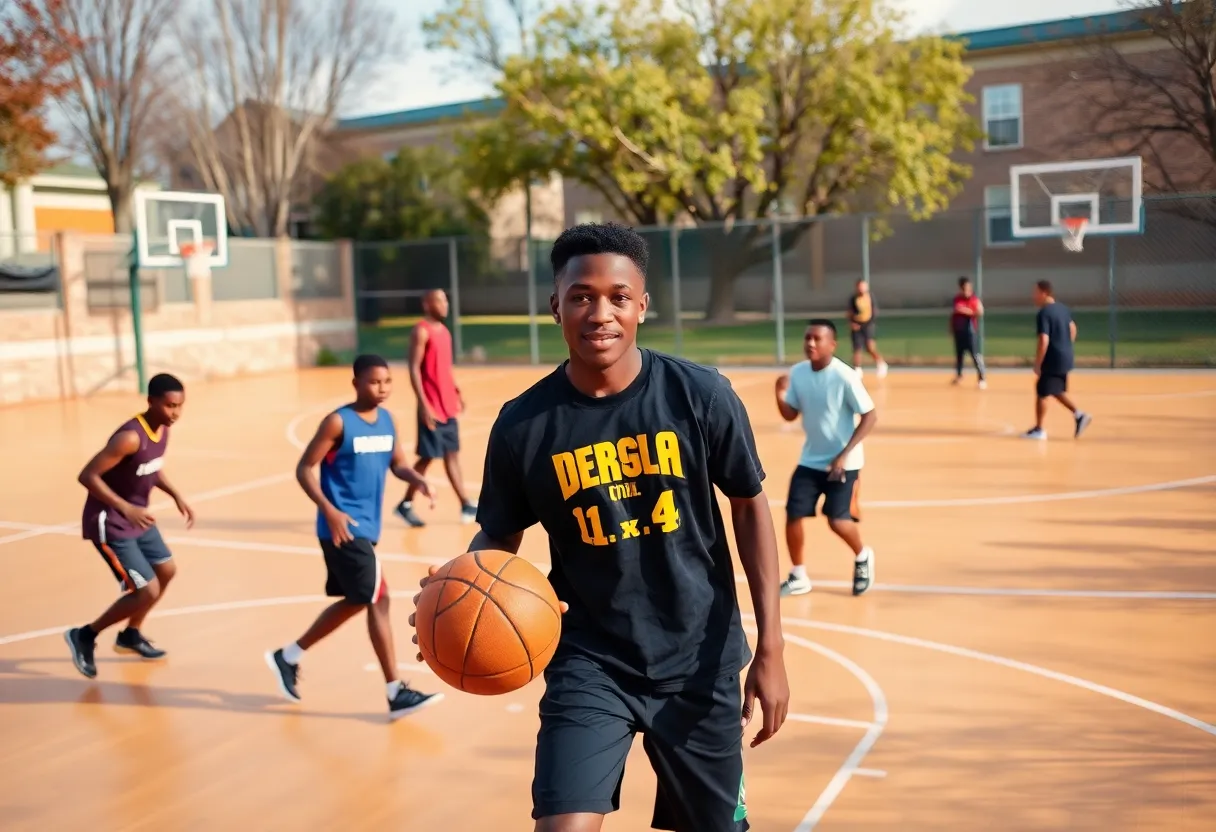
x=599, y=238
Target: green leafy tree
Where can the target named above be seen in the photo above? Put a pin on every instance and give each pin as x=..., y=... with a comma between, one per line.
x=724, y=112
x=417, y=194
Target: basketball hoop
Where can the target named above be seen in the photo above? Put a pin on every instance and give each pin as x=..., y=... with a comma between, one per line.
x=1074, y=232
x=197, y=257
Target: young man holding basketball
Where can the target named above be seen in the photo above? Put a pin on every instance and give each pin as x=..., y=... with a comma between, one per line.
x=116, y=520
x=355, y=447
x=1053, y=360
x=964, y=322
x=616, y=455
x=837, y=414
x=439, y=403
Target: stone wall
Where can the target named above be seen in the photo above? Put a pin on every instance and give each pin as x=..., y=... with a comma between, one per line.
x=84, y=345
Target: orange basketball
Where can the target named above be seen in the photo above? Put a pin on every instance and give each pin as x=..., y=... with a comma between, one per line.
x=488, y=622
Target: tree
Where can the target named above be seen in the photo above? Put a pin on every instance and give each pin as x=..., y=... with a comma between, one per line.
x=417, y=194
x=33, y=54
x=264, y=79
x=731, y=111
x=1160, y=105
x=117, y=84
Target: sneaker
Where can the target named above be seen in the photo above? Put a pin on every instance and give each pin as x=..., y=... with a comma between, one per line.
x=1083, y=420
x=133, y=641
x=983, y=384
x=406, y=512
x=863, y=571
x=408, y=700
x=1035, y=433
x=882, y=369
x=957, y=380
x=795, y=586
x=468, y=513
x=285, y=673
x=82, y=652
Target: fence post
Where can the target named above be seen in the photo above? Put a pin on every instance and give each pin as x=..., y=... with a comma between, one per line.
x=1112, y=299
x=137, y=313
x=978, y=234
x=533, y=331
x=778, y=291
x=454, y=291
x=865, y=249
x=676, y=321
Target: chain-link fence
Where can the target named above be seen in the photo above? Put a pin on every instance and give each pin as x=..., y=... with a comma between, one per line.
x=740, y=294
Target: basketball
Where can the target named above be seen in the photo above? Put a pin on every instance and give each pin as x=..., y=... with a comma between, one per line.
x=488, y=622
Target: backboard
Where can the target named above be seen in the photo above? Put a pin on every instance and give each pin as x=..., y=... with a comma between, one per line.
x=1107, y=192
x=165, y=220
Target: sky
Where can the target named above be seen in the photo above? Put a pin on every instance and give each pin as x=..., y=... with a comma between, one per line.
x=423, y=79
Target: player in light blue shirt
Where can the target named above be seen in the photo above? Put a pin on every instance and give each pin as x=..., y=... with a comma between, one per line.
x=837, y=413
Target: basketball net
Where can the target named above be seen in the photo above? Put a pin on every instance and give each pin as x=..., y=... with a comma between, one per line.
x=1074, y=232
x=197, y=256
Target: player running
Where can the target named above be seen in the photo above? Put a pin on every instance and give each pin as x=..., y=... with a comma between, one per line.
x=1053, y=360
x=355, y=447
x=617, y=454
x=862, y=312
x=837, y=414
x=116, y=520
x=439, y=403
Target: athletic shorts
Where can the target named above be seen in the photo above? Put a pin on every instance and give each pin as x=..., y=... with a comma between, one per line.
x=840, y=498
x=693, y=738
x=437, y=443
x=353, y=571
x=964, y=340
x=131, y=558
x=1051, y=384
x=863, y=335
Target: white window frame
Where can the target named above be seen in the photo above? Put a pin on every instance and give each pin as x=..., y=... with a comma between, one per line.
x=995, y=209
x=995, y=109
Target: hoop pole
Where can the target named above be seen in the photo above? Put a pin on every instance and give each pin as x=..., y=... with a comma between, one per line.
x=1113, y=297
x=137, y=318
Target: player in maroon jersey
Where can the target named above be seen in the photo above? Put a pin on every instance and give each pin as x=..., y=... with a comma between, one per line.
x=116, y=520
x=439, y=403
x=964, y=323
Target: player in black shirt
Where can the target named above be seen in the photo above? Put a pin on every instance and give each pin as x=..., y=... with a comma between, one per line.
x=616, y=455
x=1053, y=359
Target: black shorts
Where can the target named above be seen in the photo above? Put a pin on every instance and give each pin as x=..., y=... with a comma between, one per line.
x=438, y=443
x=131, y=558
x=964, y=340
x=1051, y=384
x=693, y=739
x=840, y=498
x=353, y=571
x=863, y=335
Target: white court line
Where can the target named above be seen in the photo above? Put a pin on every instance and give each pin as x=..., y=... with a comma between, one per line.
x=870, y=772
x=835, y=722
x=1016, y=499
x=192, y=539
x=965, y=652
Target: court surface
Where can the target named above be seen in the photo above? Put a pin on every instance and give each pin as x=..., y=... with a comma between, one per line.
x=1039, y=651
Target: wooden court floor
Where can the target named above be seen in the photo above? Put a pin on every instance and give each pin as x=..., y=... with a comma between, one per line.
x=1039, y=651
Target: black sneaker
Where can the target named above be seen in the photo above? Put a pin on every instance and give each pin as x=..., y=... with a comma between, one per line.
x=1083, y=420
x=285, y=673
x=82, y=652
x=405, y=511
x=133, y=641
x=863, y=572
x=408, y=700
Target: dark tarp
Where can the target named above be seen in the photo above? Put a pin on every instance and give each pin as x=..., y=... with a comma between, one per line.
x=15, y=278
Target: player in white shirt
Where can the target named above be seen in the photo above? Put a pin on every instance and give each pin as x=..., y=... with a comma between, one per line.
x=837, y=414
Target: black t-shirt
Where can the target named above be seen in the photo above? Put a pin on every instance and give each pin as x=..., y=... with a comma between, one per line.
x=1053, y=321
x=624, y=486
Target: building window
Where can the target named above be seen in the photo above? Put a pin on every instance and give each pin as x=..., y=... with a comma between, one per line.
x=1003, y=117
x=998, y=218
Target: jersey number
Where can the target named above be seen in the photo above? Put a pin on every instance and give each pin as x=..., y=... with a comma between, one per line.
x=665, y=516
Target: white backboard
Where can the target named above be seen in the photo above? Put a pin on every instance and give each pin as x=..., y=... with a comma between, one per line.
x=164, y=220
x=1107, y=192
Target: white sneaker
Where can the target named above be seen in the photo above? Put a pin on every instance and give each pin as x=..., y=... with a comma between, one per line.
x=882, y=369
x=983, y=384
x=795, y=586
x=1035, y=433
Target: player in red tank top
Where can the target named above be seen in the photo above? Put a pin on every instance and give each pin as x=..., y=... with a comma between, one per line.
x=964, y=319
x=116, y=520
x=439, y=403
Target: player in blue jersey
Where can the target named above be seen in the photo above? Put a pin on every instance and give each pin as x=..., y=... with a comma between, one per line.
x=355, y=447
